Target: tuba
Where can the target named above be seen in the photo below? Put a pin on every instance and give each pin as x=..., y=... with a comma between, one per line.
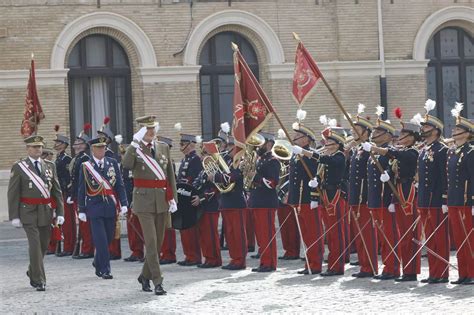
x=213, y=163
x=282, y=150
x=248, y=166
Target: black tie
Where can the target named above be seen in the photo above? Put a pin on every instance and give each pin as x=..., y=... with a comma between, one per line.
x=37, y=168
x=152, y=150
x=100, y=166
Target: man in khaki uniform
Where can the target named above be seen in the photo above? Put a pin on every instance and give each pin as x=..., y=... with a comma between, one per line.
x=32, y=187
x=154, y=195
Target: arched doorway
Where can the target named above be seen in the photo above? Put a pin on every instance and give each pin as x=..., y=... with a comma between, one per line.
x=217, y=79
x=450, y=73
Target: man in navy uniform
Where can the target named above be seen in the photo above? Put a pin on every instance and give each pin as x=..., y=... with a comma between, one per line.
x=264, y=201
x=380, y=197
x=460, y=167
x=62, y=162
x=432, y=196
x=189, y=170
x=101, y=193
x=305, y=199
x=81, y=148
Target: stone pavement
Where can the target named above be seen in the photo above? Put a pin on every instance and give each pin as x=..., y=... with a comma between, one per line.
x=72, y=287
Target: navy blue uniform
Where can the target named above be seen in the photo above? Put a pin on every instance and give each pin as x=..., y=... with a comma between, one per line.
x=460, y=169
x=406, y=168
x=189, y=168
x=263, y=196
x=208, y=193
x=234, y=199
x=297, y=174
x=80, y=158
x=358, y=177
x=375, y=185
x=100, y=208
x=62, y=166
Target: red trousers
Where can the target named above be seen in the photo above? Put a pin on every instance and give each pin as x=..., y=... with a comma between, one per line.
x=347, y=230
x=333, y=219
x=290, y=236
x=209, y=238
x=69, y=227
x=235, y=235
x=52, y=242
x=114, y=248
x=264, y=219
x=311, y=230
x=87, y=247
x=462, y=222
x=135, y=235
x=250, y=229
x=431, y=219
x=408, y=248
x=168, y=248
x=190, y=243
x=365, y=238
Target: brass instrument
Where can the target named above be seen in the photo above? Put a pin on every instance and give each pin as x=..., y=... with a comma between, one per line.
x=248, y=165
x=282, y=150
x=213, y=163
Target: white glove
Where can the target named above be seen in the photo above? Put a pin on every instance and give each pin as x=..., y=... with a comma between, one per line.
x=123, y=210
x=69, y=200
x=384, y=177
x=16, y=223
x=135, y=144
x=366, y=146
x=313, y=204
x=444, y=208
x=60, y=220
x=82, y=217
x=313, y=183
x=472, y=211
x=391, y=208
x=54, y=214
x=297, y=149
x=140, y=134
x=416, y=185
x=173, y=206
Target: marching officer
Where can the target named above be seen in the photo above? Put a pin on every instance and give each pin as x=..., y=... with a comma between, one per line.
x=380, y=197
x=432, y=196
x=33, y=184
x=62, y=162
x=264, y=201
x=189, y=169
x=460, y=169
x=208, y=200
x=305, y=200
x=403, y=158
x=154, y=196
x=81, y=148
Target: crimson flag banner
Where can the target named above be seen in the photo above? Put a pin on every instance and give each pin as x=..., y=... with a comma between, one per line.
x=33, y=112
x=252, y=108
x=210, y=147
x=305, y=76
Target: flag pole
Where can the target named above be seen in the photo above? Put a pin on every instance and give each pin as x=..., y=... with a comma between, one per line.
x=32, y=73
x=349, y=119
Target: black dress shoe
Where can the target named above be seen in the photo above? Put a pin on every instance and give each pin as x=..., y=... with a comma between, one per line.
x=233, y=267
x=145, y=284
x=289, y=257
x=306, y=272
x=256, y=256
x=107, y=276
x=132, y=258
x=384, y=276
x=187, y=263
x=406, y=278
x=354, y=263
x=251, y=249
x=99, y=274
x=83, y=256
x=41, y=287
x=32, y=283
x=49, y=253
x=205, y=265
x=159, y=290
x=115, y=257
x=362, y=274
x=169, y=261
x=459, y=281
x=468, y=281
x=224, y=247
x=331, y=273
x=441, y=280
x=63, y=254
x=431, y=280
x=263, y=269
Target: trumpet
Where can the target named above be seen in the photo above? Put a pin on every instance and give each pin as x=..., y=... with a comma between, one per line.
x=248, y=165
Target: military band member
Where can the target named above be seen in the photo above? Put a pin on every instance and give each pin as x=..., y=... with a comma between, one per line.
x=380, y=197
x=81, y=150
x=432, y=196
x=154, y=196
x=189, y=169
x=264, y=201
x=404, y=157
x=460, y=169
x=54, y=246
x=233, y=207
x=63, y=161
x=33, y=184
x=305, y=199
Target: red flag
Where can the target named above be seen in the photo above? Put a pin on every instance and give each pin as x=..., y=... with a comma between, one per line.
x=252, y=108
x=306, y=74
x=33, y=112
x=210, y=147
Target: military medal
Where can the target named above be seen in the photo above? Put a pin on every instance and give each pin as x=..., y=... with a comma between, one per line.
x=30, y=185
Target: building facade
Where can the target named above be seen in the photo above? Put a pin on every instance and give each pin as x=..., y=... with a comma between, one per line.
x=172, y=58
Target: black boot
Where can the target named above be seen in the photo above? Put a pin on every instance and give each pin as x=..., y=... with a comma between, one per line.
x=145, y=283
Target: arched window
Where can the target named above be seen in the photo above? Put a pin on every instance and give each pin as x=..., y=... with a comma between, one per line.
x=217, y=79
x=99, y=85
x=450, y=73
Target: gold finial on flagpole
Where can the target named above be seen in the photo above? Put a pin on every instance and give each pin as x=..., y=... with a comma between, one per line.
x=234, y=46
x=296, y=37
x=32, y=56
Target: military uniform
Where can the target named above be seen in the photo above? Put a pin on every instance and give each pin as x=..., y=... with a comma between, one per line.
x=152, y=195
x=100, y=194
x=264, y=201
x=30, y=191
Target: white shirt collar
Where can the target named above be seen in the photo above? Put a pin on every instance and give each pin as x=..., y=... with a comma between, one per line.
x=146, y=143
x=33, y=160
x=98, y=162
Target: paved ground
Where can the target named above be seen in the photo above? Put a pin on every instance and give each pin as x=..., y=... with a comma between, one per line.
x=73, y=288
